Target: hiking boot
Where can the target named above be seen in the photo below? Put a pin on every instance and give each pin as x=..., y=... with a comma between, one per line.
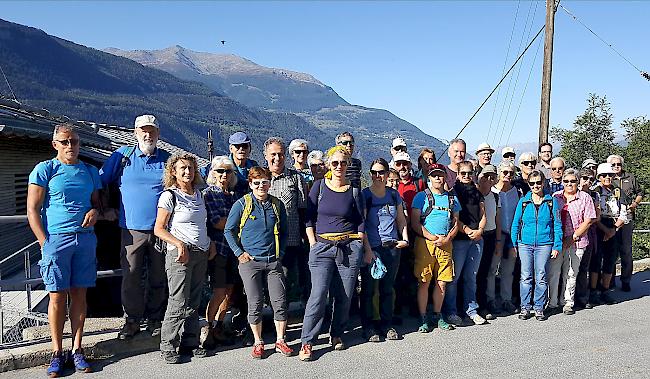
x=478, y=320
x=337, y=343
x=258, y=350
x=207, y=337
x=196, y=352
x=391, y=334
x=153, y=327
x=567, y=310
x=248, y=339
x=130, y=329
x=509, y=308
x=170, y=357
x=606, y=297
x=443, y=325
x=57, y=362
x=284, y=349
x=455, y=320
x=221, y=337
x=371, y=335
x=305, y=353
x=524, y=314
x=625, y=287
x=79, y=360
x=550, y=311
x=539, y=315
x=427, y=325
x=594, y=299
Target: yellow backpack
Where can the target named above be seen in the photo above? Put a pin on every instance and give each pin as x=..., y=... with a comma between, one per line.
x=246, y=214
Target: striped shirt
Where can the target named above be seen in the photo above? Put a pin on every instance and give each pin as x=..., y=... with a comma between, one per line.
x=574, y=213
x=291, y=189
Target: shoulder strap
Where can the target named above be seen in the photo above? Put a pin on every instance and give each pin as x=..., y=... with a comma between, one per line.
x=275, y=203
x=320, y=191
x=496, y=198
x=248, y=209
x=126, y=158
x=171, y=214
x=432, y=203
x=417, y=183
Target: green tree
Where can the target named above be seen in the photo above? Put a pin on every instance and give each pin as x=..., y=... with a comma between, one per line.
x=592, y=135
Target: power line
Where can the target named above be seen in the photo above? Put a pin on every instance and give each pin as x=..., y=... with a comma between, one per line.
x=8, y=85
x=498, y=84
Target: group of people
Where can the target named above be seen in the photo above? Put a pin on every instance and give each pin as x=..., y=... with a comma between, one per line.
x=551, y=235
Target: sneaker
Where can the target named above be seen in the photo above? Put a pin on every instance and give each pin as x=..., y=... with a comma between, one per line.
x=170, y=357
x=130, y=329
x=606, y=297
x=477, y=319
x=248, y=339
x=625, y=287
x=391, y=334
x=550, y=311
x=594, y=299
x=79, y=360
x=524, y=314
x=539, y=315
x=258, y=350
x=207, y=338
x=509, y=308
x=199, y=352
x=426, y=326
x=493, y=308
x=589, y=305
x=455, y=320
x=284, y=349
x=567, y=310
x=196, y=352
x=337, y=343
x=371, y=335
x=305, y=353
x=153, y=327
x=442, y=324
x=57, y=362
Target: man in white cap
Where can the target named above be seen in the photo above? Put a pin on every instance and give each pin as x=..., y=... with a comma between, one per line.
x=137, y=172
x=399, y=145
x=484, y=154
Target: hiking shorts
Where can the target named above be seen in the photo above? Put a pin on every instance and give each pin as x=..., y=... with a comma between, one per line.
x=432, y=262
x=69, y=261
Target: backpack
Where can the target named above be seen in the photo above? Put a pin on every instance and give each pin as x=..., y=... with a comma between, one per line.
x=126, y=158
x=160, y=245
x=550, y=207
x=432, y=205
x=246, y=214
x=394, y=194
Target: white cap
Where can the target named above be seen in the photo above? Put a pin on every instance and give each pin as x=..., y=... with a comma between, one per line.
x=527, y=157
x=399, y=141
x=605, y=168
x=483, y=147
x=588, y=162
x=146, y=120
x=402, y=156
x=507, y=150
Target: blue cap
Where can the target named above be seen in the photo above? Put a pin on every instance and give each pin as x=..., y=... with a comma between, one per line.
x=239, y=138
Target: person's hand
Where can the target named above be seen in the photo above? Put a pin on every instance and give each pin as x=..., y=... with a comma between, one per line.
x=609, y=234
x=402, y=244
x=475, y=235
x=441, y=240
x=633, y=205
x=244, y=257
x=498, y=249
x=183, y=254
x=368, y=257
x=513, y=252
x=554, y=254
x=311, y=244
x=90, y=218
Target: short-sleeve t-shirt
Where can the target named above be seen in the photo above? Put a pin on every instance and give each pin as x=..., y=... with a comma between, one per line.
x=188, y=222
x=68, y=189
x=381, y=216
x=491, y=206
x=438, y=220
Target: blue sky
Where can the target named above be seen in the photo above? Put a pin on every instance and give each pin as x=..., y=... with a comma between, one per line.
x=430, y=63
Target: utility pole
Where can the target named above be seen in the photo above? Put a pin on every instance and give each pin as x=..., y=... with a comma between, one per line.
x=210, y=145
x=545, y=109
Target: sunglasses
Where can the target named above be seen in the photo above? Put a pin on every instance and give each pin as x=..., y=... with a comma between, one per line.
x=617, y=165
x=574, y=181
x=507, y=173
x=557, y=168
x=465, y=173
x=377, y=173
x=299, y=152
x=401, y=163
x=606, y=175
x=346, y=143
x=509, y=155
x=69, y=141
x=490, y=177
x=529, y=163
x=222, y=170
x=317, y=164
x=262, y=182
x=536, y=183
x=588, y=178
x=400, y=148
x=337, y=163
x=244, y=146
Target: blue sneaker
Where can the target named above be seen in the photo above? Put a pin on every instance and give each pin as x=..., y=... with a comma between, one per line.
x=79, y=360
x=57, y=362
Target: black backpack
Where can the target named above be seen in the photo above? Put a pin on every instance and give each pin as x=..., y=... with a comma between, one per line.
x=432, y=205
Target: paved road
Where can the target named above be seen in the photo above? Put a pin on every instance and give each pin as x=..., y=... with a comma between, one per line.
x=608, y=341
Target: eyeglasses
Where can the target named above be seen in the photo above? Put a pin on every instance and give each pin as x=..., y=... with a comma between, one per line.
x=400, y=148
x=574, y=181
x=299, y=152
x=465, y=173
x=536, y=183
x=617, y=164
x=607, y=175
x=401, y=163
x=222, y=170
x=317, y=164
x=69, y=141
x=346, y=143
x=529, y=163
x=244, y=146
x=507, y=173
x=377, y=173
x=587, y=178
x=557, y=168
x=509, y=155
x=337, y=163
x=262, y=182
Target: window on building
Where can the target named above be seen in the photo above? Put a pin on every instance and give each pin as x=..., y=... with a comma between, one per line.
x=20, y=189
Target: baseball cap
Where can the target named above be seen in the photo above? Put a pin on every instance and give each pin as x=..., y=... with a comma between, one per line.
x=605, y=168
x=239, y=138
x=402, y=156
x=488, y=169
x=483, y=147
x=507, y=150
x=436, y=168
x=589, y=162
x=399, y=141
x=146, y=120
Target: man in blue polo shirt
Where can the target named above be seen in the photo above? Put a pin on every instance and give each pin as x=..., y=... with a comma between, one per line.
x=138, y=171
x=63, y=203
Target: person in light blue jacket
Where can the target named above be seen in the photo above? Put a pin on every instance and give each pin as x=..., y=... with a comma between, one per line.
x=536, y=233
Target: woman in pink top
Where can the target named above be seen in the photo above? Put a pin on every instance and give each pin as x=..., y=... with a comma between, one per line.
x=578, y=213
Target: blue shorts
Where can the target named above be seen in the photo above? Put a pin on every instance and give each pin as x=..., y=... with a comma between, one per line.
x=69, y=261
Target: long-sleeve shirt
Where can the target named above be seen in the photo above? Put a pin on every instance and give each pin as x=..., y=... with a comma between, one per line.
x=534, y=224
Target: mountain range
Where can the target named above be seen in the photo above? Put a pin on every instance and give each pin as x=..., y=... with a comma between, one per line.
x=190, y=93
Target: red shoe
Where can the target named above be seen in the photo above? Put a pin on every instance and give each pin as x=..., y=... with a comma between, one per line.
x=305, y=353
x=258, y=351
x=284, y=349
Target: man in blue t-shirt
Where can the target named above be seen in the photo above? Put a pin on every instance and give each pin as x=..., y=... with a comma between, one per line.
x=137, y=171
x=62, y=207
x=434, y=219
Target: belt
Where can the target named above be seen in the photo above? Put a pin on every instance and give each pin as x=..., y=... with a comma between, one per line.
x=339, y=237
x=267, y=259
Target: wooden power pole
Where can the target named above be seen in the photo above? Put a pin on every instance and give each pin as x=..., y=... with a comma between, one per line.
x=546, y=71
